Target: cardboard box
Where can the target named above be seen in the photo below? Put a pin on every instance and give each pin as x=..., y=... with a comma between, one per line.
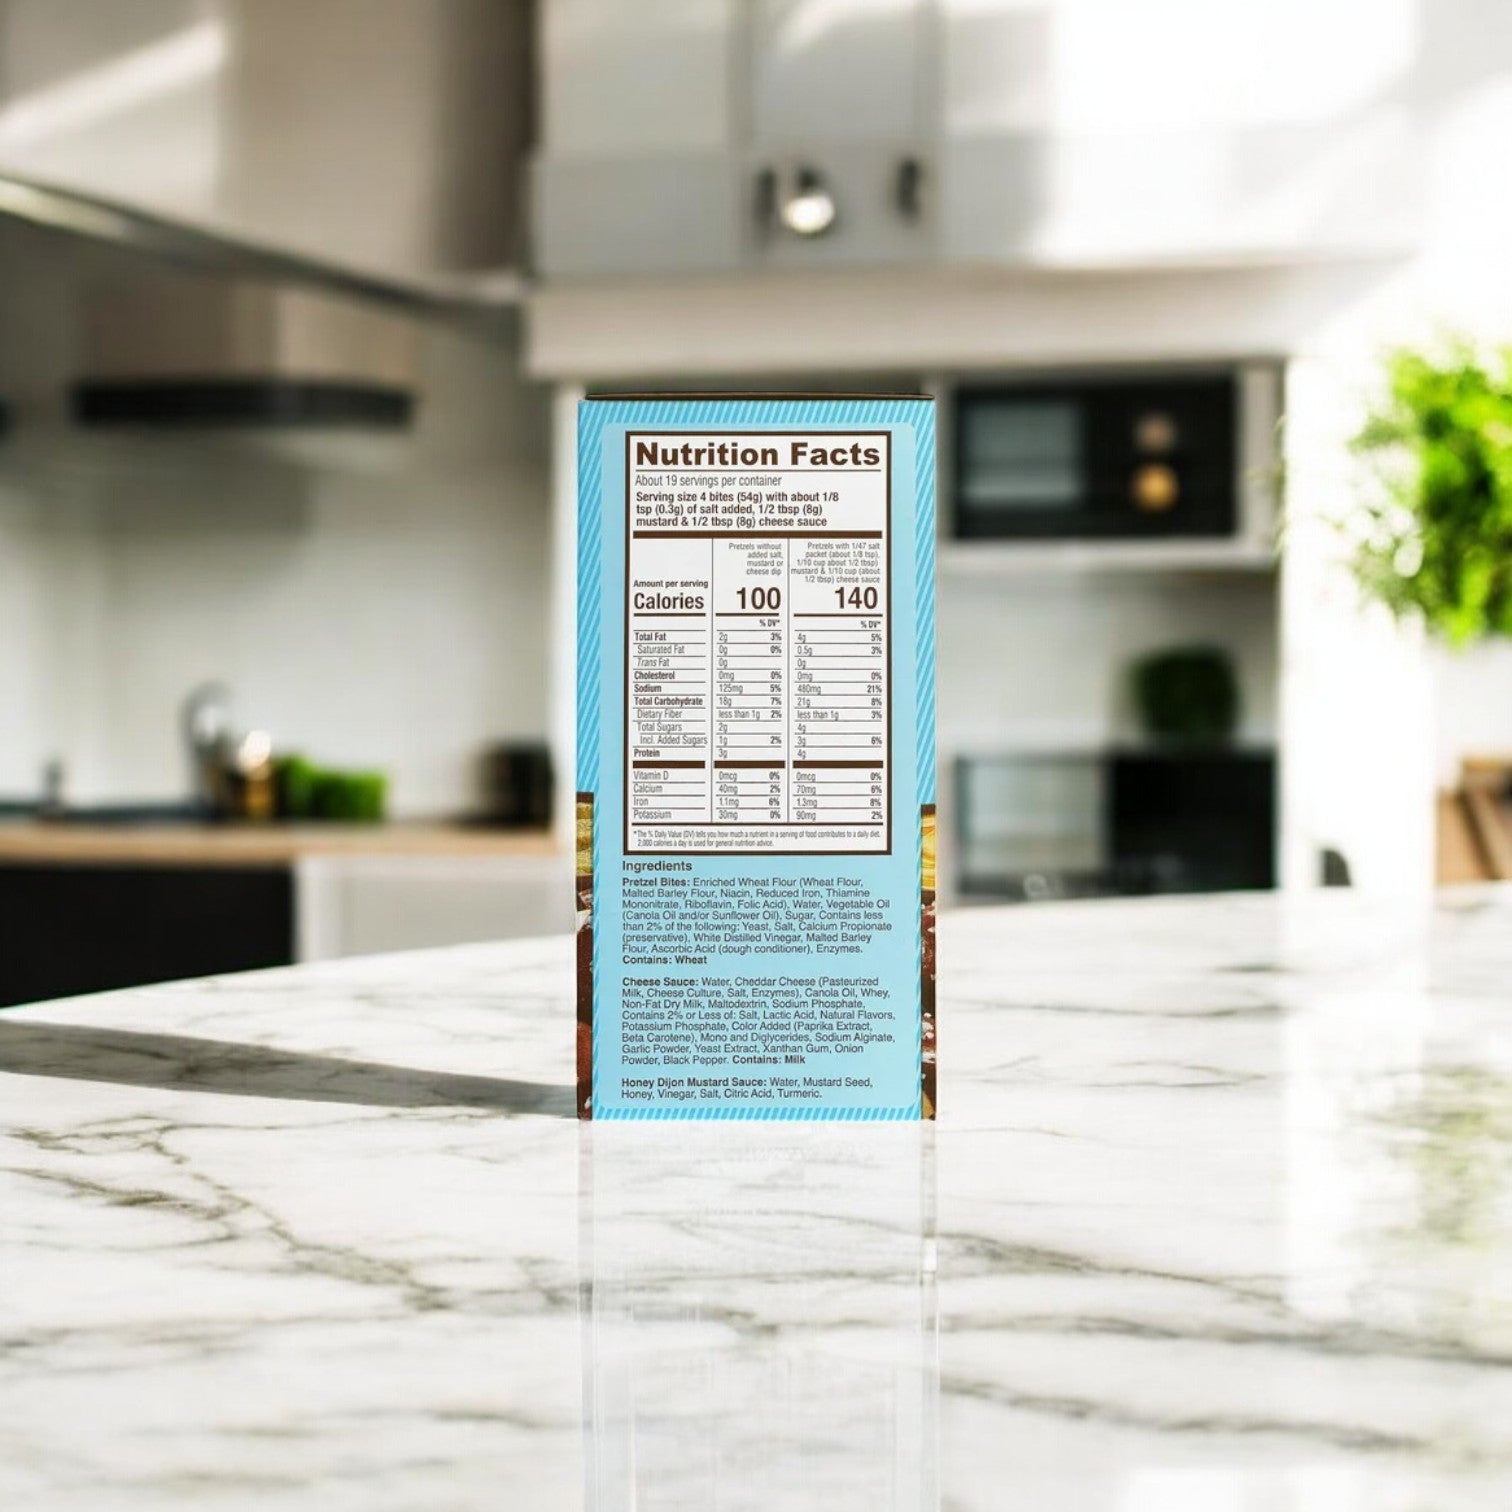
x=755, y=823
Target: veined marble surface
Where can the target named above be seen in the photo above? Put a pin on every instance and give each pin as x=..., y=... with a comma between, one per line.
x=1218, y=1218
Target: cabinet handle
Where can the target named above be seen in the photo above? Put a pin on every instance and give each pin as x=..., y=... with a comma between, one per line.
x=765, y=201
x=909, y=188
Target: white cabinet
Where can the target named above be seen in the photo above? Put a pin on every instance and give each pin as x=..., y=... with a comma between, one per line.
x=823, y=72
x=634, y=80
x=842, y=92
x=1080, y=133
x=673, y=133
x=1024, y=133
x=366, y=905
x=636, y=172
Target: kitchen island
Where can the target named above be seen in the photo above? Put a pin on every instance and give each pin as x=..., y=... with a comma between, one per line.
x=1218, y=1216
x=90, y=907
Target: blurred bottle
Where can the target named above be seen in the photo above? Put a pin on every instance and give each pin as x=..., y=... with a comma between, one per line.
x=206, y=720
x=250, y=791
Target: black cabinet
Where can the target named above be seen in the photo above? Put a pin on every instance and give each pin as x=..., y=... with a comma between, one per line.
x=1200, y=822
x=92, y=928
x=1114, y=823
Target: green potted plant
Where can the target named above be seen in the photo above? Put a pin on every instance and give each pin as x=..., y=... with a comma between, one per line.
x=1187, y=696
x=1434, y=531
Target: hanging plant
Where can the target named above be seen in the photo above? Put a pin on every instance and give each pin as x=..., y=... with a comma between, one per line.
x=1435, y=531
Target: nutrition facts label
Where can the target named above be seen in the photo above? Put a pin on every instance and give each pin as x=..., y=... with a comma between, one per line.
x=758, y=666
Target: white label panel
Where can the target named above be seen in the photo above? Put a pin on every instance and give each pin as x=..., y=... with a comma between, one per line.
x=758, y=667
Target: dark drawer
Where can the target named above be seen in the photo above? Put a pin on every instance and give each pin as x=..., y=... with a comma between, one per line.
x=91, y=928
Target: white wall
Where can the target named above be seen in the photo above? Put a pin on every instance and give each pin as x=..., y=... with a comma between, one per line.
x=1042, y=662
x=1464, y=268
x=390, y=617
x=46, y=535
x=381, y=603
x=25, y=573
x=1372, y=718
x=382, y=621
x=1473, y=705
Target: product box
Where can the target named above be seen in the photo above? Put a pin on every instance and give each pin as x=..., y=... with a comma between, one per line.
x=755, y=807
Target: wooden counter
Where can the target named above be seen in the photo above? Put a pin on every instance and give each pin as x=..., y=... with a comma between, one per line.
x=29, y=841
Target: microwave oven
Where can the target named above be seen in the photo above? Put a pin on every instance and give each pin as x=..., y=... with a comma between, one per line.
x=1102, y=457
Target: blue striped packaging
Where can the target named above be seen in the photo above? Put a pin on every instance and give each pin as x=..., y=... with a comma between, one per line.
x=755, y=768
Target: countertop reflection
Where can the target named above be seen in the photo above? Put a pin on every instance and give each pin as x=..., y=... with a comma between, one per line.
x=1217, y=1218
x=760, y=1316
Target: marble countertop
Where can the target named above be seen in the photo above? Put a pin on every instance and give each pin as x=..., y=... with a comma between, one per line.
x=1217, y=1218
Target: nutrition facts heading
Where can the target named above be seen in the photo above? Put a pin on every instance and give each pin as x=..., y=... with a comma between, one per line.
x=800, y=453
x=758, y=699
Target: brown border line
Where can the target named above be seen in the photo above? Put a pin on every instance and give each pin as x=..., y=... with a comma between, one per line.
x=928, y=1040
x=583, y=949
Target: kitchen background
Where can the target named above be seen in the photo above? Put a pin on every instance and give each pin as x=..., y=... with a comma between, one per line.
x=296, y=302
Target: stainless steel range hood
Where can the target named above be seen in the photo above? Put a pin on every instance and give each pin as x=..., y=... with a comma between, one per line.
x=487, y=304
x=334, y=178
x=217, y=331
